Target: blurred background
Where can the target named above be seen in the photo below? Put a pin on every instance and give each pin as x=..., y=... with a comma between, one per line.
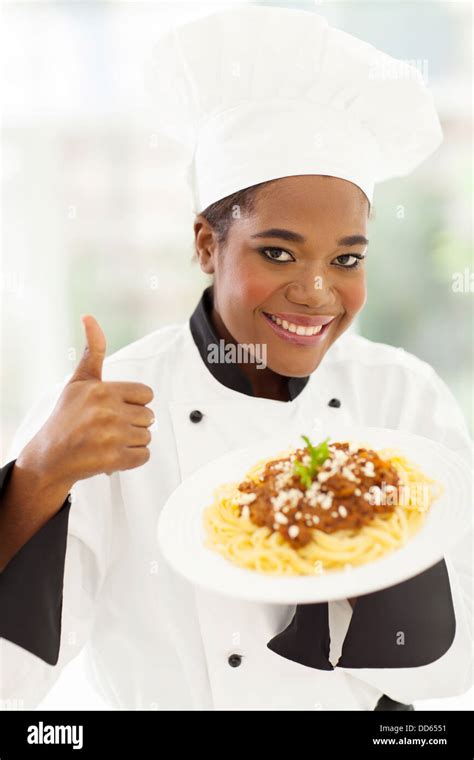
x=96, y=215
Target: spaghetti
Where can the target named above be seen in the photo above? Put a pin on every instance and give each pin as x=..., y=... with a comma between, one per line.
x=318, y=509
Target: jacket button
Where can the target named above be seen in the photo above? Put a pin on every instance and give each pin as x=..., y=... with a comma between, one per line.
x=234, y=660
x=196, y=415
x=335, y=402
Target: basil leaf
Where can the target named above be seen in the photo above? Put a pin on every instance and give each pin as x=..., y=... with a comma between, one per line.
x=318, y=455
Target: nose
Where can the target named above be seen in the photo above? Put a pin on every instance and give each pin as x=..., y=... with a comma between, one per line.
x=313, y=289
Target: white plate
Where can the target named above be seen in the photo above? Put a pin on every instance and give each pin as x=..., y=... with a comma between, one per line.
x=181, y=533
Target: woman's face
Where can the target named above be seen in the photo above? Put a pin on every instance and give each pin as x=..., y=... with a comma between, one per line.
x=298, y=259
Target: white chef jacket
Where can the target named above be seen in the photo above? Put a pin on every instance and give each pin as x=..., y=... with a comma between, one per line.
x=154, y=640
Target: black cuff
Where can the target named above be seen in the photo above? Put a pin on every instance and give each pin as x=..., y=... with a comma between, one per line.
x=31, y=586
x=404, y=626
x=306, y=639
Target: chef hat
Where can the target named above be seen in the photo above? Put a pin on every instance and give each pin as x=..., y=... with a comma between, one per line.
x=255, y=93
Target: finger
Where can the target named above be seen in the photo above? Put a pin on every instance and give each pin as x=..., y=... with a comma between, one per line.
x=134, y=457
x=133, y=393
x=137, y=436
x=141, y=416
x=90, y=365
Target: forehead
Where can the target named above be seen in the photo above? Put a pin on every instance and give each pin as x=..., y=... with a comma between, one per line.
x=309, y=200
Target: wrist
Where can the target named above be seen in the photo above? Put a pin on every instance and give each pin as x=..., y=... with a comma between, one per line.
x=43, y=480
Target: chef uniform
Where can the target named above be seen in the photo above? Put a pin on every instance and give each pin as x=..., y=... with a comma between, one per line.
x=94, y=576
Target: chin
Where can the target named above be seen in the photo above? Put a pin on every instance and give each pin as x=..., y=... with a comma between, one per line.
x=299, y=367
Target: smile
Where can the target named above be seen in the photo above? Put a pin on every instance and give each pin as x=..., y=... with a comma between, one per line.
x=305, y=331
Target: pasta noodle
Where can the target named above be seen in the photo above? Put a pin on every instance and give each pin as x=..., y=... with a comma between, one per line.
x=242, y=542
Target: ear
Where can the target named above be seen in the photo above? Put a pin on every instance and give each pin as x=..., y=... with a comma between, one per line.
x=206, y=245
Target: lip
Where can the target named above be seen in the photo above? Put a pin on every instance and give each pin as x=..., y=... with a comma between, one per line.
x=300, y=319
x=299, y=340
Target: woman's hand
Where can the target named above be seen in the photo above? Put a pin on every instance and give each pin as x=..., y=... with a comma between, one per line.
x=96, y=427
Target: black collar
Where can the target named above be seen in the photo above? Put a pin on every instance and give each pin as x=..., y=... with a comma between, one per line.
x=230, y=375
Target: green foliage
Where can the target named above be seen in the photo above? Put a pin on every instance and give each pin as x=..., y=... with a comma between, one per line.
x=318, y=455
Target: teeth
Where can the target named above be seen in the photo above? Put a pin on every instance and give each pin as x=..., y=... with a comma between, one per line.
x=298, y=329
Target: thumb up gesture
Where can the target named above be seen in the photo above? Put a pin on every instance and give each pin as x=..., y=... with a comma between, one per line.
x=96, y=426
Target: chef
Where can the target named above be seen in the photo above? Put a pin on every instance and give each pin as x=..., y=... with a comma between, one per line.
x=288, y=128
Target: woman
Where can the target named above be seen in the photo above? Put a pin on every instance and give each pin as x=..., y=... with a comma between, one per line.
x=85, y=479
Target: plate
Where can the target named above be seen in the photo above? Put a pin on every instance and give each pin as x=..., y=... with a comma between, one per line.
x=181, y=532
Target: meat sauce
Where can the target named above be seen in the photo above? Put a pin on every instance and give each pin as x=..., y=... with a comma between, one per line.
x=338, y=498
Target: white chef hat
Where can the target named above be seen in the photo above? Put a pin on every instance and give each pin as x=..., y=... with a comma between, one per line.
x=256, y=93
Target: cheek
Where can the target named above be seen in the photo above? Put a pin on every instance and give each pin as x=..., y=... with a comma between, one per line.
x=247, y=289
x=254, y=293
x=354, y=295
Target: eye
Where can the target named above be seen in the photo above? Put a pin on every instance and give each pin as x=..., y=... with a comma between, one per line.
x=343, y=260
x=275, y=254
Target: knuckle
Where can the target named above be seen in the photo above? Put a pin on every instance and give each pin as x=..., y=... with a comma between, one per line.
x=105, y=415
x=101, y=414
x=109, y=437
x=98, y=391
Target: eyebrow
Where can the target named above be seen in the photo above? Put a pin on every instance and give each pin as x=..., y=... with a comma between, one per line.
x=295, y=237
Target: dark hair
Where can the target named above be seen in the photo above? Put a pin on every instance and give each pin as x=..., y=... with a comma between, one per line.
x=221, y=213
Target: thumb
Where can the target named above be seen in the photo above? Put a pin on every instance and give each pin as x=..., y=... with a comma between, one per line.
x=90, y=365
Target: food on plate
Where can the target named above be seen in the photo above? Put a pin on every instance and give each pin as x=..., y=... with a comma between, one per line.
x=319, y=508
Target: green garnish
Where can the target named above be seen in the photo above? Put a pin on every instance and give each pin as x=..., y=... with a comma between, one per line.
x=318, y=455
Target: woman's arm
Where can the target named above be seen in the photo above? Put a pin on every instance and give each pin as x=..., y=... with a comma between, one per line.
x=29, y=499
